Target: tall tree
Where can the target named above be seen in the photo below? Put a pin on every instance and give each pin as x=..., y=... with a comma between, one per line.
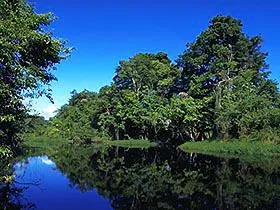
x=28, y=54
x=218, y=60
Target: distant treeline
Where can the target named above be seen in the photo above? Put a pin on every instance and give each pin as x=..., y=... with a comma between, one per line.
x=219, y=88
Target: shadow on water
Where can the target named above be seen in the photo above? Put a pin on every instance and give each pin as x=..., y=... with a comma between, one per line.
x=155, y=178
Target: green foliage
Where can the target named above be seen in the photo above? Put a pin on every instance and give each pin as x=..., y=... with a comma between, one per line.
x=5, y=172
x=146, y=72
x=225, y=64
x=135, y=108
x=28, y=54
x=42, y=145
x=132, y=143
x=218, y=89
x=236, y=148
x=73, y=121
x=267, y=135
x=247, y=109
x=36, y=125
x=5, y=153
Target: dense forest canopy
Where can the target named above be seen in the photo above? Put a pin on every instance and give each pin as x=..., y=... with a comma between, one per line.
x=219, y=88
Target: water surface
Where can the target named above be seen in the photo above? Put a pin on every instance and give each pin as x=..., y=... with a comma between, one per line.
x=155, y=178
x=46, y=186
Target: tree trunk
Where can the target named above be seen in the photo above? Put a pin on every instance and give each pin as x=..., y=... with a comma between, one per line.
x=117, y=133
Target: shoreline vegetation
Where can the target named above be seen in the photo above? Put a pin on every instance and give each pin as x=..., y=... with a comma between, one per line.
x=234, y=148
x=230, y=148
x=133, y=143
x=46, y=142
x=264, y=155
x=218, y=88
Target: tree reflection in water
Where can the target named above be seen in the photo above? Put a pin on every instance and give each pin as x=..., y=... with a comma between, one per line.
x=162, y=178
x=167, y=178
x=11, y=192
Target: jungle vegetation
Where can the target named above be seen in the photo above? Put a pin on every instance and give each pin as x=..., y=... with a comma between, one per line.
x=218, y=88
x=28, y=55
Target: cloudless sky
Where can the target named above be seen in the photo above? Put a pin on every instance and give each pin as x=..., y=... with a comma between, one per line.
x=104, y=32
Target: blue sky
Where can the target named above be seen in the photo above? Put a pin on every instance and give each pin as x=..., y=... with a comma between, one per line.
x=106, y=31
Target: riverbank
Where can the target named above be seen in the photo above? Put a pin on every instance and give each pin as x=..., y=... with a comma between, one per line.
x=233, y=148
x=131, y=143
x=43, y=142
x=47, y=143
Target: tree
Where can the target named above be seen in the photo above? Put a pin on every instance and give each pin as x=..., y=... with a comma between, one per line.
x=247, y=108
x=106, y=117
x=215, y=64
x=220, y=88
x=28, y=54
x=146, y=72
x=188, y=121
x=73, y=120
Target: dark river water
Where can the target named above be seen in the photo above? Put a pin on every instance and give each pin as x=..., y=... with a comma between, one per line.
x=156, y=178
